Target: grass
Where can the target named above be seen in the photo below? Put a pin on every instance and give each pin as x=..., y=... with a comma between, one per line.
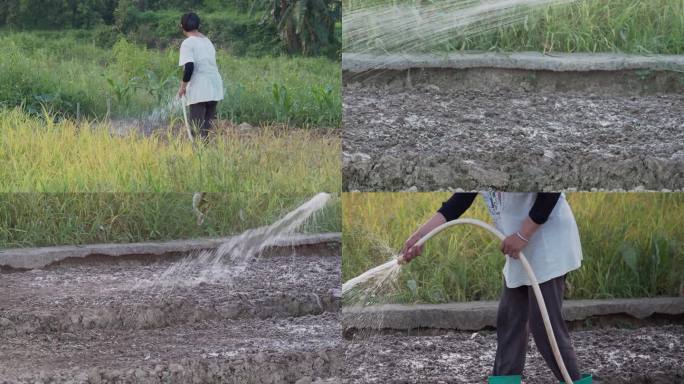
x=632, y=245
x=59, y=71
x=37, y=219
x=632, y=26
x=41, y=155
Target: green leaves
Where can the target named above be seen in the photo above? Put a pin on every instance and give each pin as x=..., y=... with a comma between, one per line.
x=122, y=89
x=412, y=286
x=306, y=26
x=630, y=255
x=157, y=86
x=650, y=266
x=283, y=102
x=324, y=99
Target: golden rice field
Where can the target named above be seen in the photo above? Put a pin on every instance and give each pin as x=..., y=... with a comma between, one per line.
x=43, y=154
x=632, y=245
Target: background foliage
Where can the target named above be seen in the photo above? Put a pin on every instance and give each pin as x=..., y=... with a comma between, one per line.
x=58, y=70
x=243, y=27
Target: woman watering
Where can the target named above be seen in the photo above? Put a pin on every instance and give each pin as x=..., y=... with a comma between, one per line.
x=202, y=85
x=543, y=226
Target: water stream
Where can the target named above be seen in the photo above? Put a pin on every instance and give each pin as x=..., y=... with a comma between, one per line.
x=409, y=27
x=230, y=260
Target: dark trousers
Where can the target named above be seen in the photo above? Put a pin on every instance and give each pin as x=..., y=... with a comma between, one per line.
x=201, y=117
x=517, y=315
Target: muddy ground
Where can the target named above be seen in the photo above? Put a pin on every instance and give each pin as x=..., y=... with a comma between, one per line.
x=105, y=320
x=429, y=138
x=652, y=354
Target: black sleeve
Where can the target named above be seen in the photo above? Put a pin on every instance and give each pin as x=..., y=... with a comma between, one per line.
x=458, y=203
x=543, y=206
x=187, y=72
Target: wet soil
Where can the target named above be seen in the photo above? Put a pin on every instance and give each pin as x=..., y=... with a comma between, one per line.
x=108, y=320
x=612, y=355
x=429, y=138
x=231, y=351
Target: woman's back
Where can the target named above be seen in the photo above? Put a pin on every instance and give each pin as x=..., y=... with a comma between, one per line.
x=202, y=52
x=206, y=83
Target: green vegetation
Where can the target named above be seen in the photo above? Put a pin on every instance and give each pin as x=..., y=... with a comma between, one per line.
x=235, y=31
x=41, y=155
x=306, y=26
x=57, y=71
x=242, y=27
x=633, y=26
x=36, y=219
x=632, y=245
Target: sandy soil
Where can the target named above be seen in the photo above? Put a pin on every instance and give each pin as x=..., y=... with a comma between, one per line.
x=611, y=355
x=427, y=138
x=102, y=321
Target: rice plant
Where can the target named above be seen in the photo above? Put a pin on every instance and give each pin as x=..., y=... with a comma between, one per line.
x=49, y=154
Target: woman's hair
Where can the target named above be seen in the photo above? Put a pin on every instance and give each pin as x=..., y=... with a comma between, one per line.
x=190, y=22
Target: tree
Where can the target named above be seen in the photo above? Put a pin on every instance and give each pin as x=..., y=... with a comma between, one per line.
x=305, y=26
x=58, y=14
x=123, y=15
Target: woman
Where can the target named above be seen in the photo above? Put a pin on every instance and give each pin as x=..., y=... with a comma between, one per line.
x=541, y=224
x=202, y=85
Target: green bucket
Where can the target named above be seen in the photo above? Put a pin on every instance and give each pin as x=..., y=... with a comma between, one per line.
x=504, y=379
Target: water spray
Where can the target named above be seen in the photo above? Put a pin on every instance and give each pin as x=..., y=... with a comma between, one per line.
x=393, y=264
x=234, y=256
x=407, y=27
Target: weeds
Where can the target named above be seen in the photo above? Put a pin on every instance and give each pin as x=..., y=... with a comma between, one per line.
x=282, y=103
x=122, y=89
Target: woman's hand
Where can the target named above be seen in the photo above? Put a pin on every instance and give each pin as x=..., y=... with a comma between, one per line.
x=411, y=250
x=512, y=245
x=182, y=89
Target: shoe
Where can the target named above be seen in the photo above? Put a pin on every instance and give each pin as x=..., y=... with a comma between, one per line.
x=504, y=380
x=586, y=379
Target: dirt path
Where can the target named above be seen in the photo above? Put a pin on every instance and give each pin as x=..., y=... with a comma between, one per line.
x=612, y=355
x=510, y=139
x=103, y=320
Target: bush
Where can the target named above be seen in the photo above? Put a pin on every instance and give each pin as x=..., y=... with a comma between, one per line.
x=105, y=36
x=29, y=14
x=31, y=81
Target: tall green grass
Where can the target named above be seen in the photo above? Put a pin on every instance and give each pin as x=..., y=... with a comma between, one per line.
x=632, y=245
x=632, y=26
x=58, y=71
x=39, y=219
x=41, y=155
